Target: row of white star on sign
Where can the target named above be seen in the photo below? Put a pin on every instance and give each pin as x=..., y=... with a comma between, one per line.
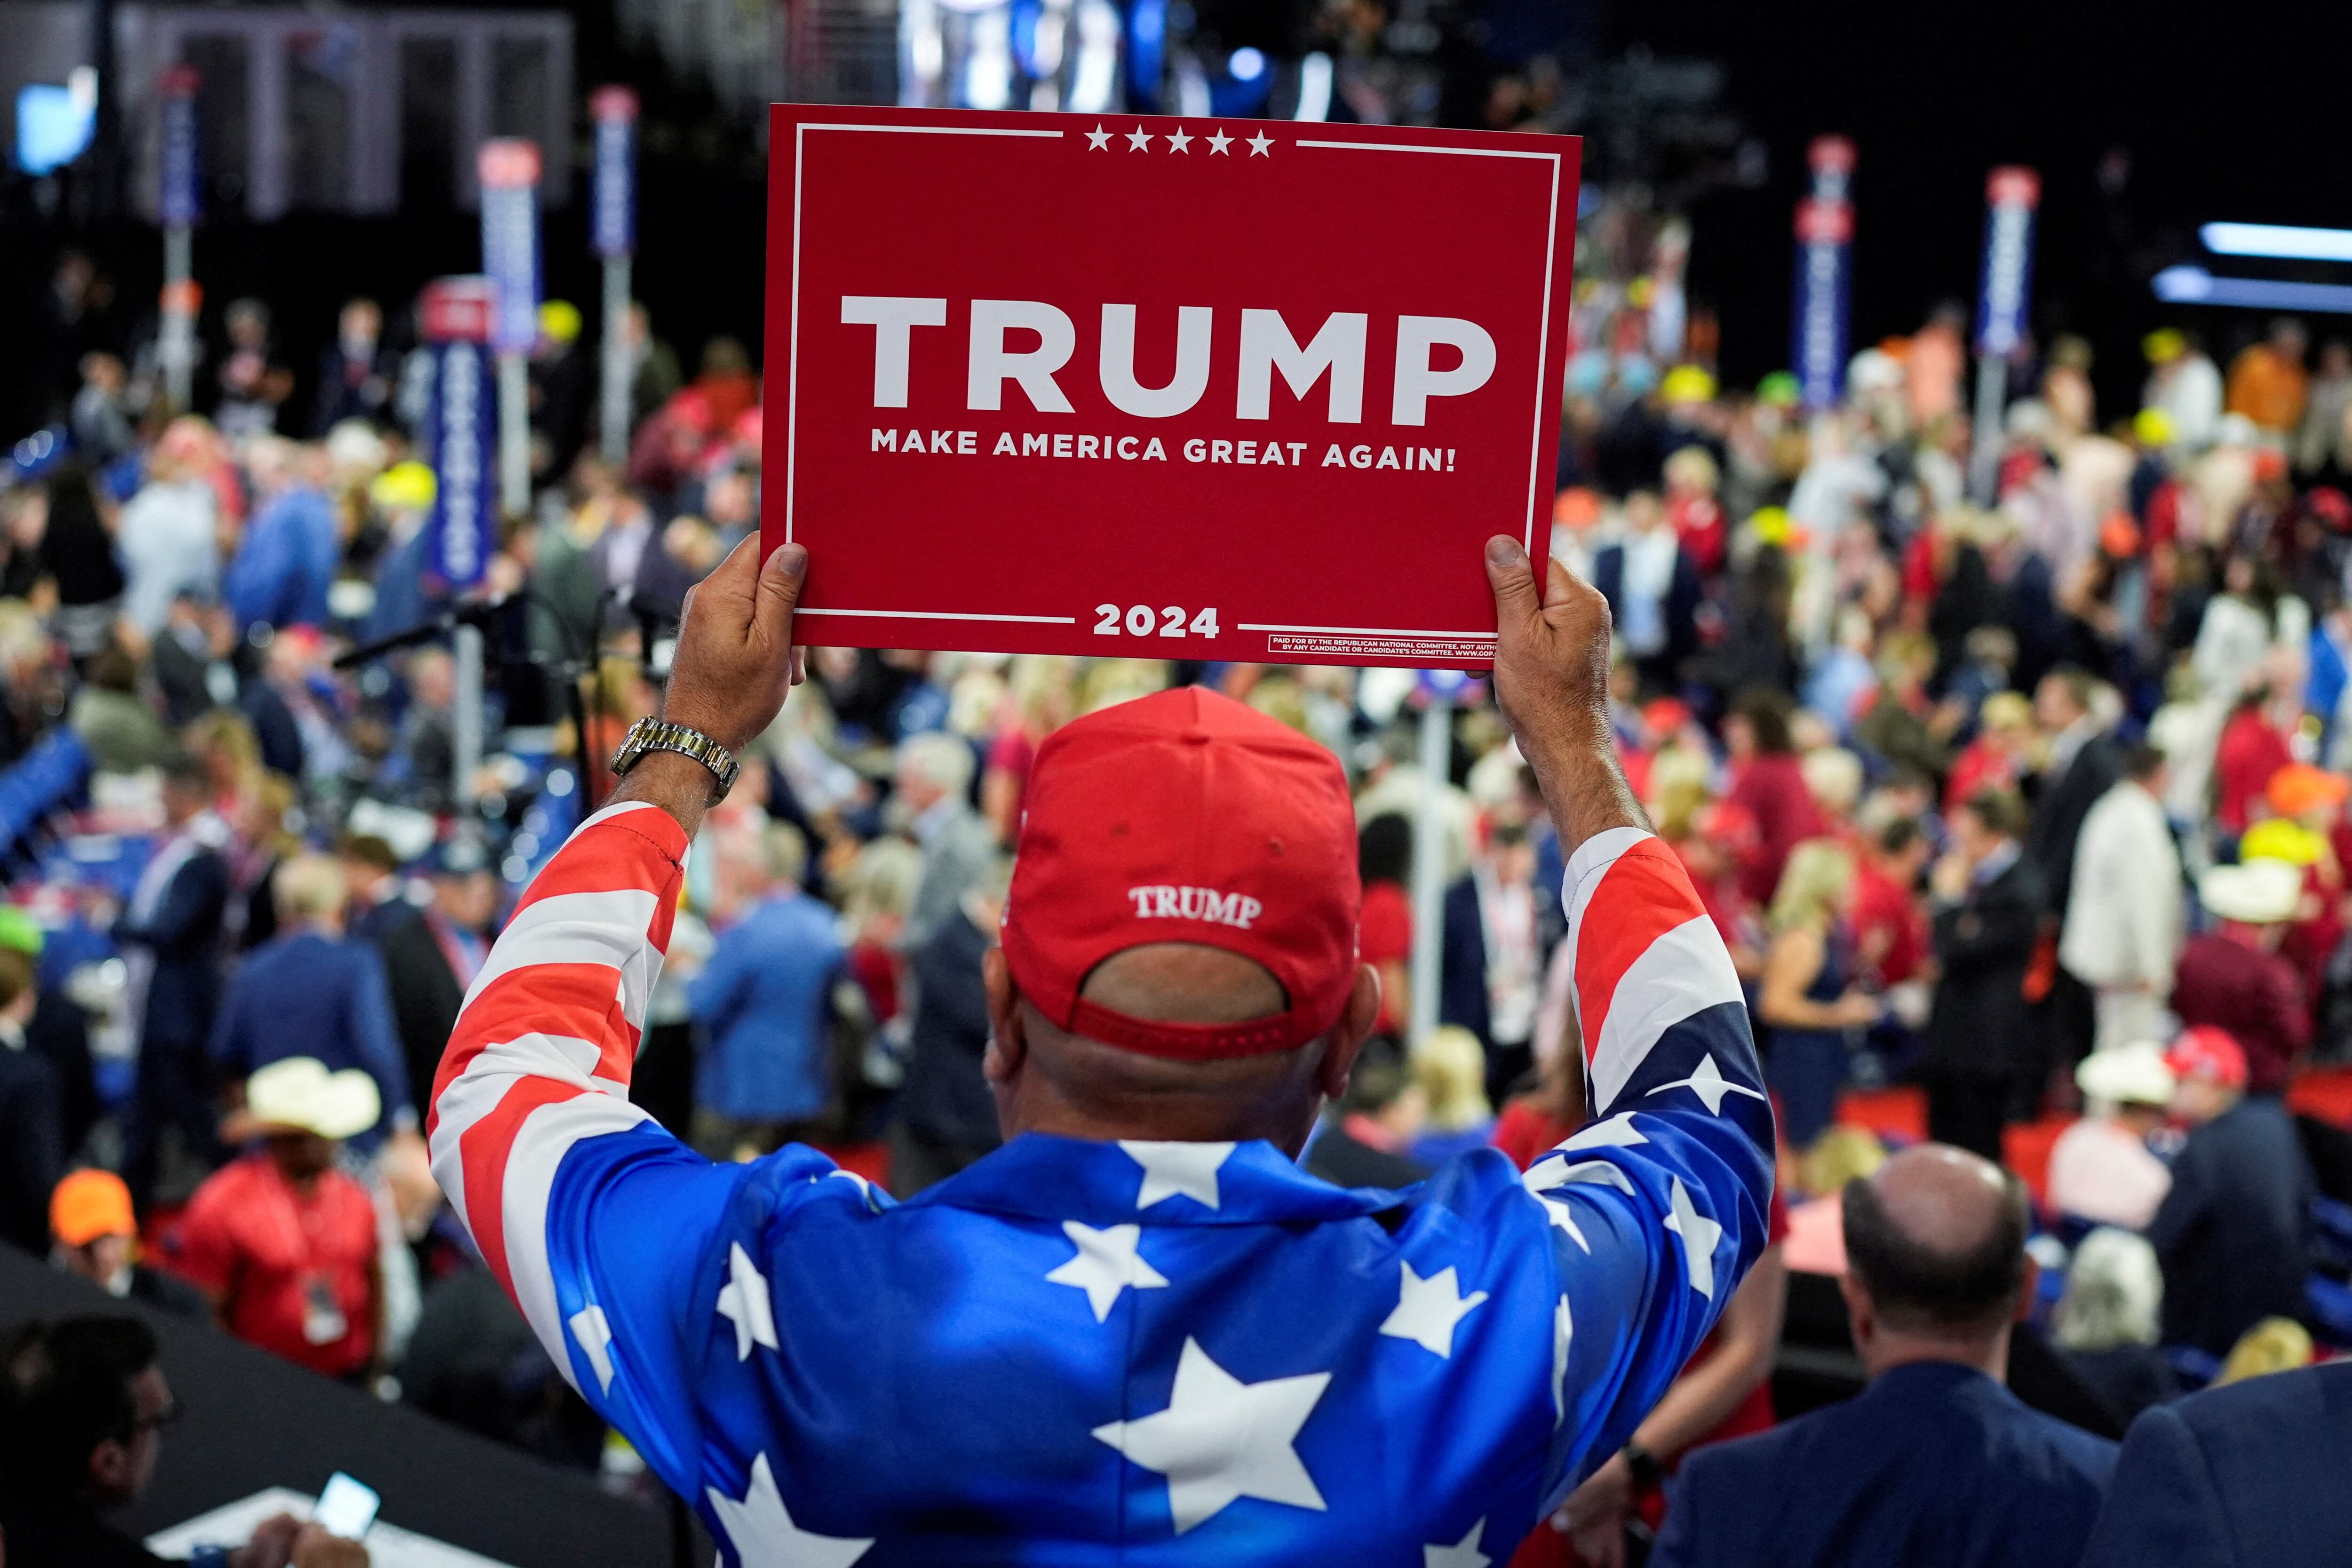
x=1180, y=141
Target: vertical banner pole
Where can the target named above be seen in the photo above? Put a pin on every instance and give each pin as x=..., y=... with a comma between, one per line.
x=612, y=232
x=514, y=434
x=461, y=425
x=1822, y=335
x=2004, y=302
x=509, y=169
x=1428, y=866
x=1984, y=450
x=615, y=433
x=177, y=200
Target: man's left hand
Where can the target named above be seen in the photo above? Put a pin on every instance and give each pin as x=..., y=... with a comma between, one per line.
x=735, y=662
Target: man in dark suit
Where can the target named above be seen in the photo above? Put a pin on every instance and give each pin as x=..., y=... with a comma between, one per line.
x=431, y=955
x=1935, y=1464
x=2232, y=1231
x=32, y=1152
x=2086, y=762
x=1981, y=1065
x=1652, y=588
x=947, y=1113
x=171, y=932
x=2250, y=1476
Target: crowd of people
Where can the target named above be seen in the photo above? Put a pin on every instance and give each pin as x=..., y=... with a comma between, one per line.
x=2020, y=810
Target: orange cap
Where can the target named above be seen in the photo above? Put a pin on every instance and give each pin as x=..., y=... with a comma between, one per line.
x=90, y=1203
x=2119, y=536
x=2299, y=787
x=1576, y=507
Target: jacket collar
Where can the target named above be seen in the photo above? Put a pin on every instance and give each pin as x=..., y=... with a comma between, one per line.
x=1042, y=1176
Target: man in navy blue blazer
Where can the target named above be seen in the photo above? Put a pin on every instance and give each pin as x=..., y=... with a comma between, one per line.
x=2256, y=1475
x=1935, y=1464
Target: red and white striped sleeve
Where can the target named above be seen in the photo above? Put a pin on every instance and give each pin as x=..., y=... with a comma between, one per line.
x=1655, y=989
x=542, y=1051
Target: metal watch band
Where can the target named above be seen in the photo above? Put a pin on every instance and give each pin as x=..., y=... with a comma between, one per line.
x=661, y=735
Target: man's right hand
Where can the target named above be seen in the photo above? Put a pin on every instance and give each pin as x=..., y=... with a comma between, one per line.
x=735, y=663
x=1551, y=680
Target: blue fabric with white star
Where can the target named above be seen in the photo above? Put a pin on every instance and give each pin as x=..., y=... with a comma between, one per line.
x=1080, y=1352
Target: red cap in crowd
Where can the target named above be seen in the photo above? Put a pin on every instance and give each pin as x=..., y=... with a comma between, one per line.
x=1188, y=817
x=2208, y=1053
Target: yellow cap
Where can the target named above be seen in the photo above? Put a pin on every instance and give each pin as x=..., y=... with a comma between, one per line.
x=2163, y=345
x=1687, y=384
x=559, y=319
x=2153, y=428
x=2280, y=840
x=404, y=487
x=1772, y=525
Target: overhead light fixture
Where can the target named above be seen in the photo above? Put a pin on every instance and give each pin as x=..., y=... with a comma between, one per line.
x=2187, y=285
x=1246, y=65
x=2279, y=240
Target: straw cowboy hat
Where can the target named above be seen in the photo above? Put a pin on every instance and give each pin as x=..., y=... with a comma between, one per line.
x=2260, y=892
x=299, y=1094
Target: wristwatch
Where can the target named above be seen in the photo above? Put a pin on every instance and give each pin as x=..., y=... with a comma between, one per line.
x=1644, y=1465
x=661, y=735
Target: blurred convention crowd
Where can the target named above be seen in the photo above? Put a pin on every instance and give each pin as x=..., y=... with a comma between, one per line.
x=2020, y=806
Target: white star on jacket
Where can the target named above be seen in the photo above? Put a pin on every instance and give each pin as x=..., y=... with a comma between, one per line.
x=1221, y=1438
x=763, y=1533
x=1098, y=139
x=1707, y=1082
x=1555, y=1211
x=1463, y=1553
x=1699, y=1236
x=1140, y=139
x=1179, y=140
x=743, y=1300
x=1106, y=1264
x=1427, y=1309
x=1177, y=1170
x=596, y=1335
x=1563, y=1329
x=1617, y=1132
x=1259, y=144
x=1219, y=141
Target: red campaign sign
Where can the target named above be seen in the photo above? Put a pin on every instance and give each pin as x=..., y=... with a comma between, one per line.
x=1162, y=388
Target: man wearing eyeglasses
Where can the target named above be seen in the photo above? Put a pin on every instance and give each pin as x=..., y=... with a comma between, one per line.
x=82, y=1407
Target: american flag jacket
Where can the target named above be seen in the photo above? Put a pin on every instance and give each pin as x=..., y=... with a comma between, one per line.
x=1077, y=1352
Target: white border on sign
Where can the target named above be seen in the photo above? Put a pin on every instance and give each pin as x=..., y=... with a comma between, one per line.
x=1360, y=631
x=1543, y=319
x=793, y=400
x=1543, y=354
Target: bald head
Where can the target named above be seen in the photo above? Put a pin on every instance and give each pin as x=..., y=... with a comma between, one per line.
x=1937, y=1239
x=1050, y=1079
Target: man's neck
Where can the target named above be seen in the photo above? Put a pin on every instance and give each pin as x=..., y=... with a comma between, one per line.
x=1988, y=1356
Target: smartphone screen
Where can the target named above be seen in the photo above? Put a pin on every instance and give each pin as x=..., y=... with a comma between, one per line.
x=345, y=1508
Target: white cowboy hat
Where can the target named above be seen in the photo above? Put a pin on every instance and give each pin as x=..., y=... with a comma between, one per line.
x=300, y=1093
x=2259, y=892
x=2127, y=1075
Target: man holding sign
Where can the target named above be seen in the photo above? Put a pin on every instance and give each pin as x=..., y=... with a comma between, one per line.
x=1157, y=388
x=1137, y=1331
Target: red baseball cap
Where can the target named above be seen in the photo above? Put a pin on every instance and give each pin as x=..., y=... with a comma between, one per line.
x=1185, y=817
x=2208, y=1052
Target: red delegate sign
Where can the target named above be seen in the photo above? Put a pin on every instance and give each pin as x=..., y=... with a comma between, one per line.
x=1163, y=388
